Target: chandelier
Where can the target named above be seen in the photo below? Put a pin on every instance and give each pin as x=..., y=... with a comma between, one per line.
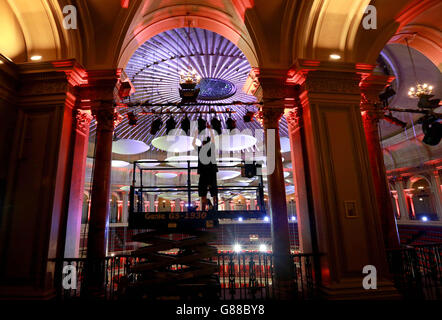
x=189, y=77
x=420, y=89
x=188, y=90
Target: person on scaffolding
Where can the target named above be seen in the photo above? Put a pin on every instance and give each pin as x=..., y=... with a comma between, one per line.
x=207, y=170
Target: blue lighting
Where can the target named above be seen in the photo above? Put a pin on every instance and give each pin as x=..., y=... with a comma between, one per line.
x=425, y=219
x=293, y=218
x=240, y=219
x=266, y=219
x=215, y=89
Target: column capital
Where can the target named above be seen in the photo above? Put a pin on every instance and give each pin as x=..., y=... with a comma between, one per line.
x=82, y=120
x=270, y=117
x=274, y=88
x=373, y=84
x=107, y=119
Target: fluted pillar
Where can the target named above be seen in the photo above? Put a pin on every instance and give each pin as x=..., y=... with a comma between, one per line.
x=371, y=86
x=274, y=91
x=403, y=206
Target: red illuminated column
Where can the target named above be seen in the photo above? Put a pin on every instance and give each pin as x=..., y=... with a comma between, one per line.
x=300, y=168
x=274, y=92
x=100, y=93
x=119, y=211
x=344, y=205
x=436, y=190
x=73, y=225
x=42, y=202
x=402, y=200
x=99, y=216
x=396, y=203
x=371, y=86
x=409, y=195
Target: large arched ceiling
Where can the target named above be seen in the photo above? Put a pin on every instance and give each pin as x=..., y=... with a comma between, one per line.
x=154, y=71
x=223, y=17
x=30, y=28
x=271, y=34
x=420, y=22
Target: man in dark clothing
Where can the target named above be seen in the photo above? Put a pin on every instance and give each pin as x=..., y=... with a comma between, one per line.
x=207, y=170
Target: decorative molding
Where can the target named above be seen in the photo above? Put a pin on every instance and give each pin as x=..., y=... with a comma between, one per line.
x=332, y=82
x=82, y=120
x=105, y=118
x=270, y=117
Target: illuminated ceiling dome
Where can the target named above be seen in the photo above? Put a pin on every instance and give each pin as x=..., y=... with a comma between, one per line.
x=154, y=70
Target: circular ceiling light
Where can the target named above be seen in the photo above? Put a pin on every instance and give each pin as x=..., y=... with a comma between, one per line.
x=36, y=58
x=215, y=89
x=234, y=142
x=227, y=174
x=335, y=56
x=182, y=161
x=129, y=146
x=149, y=163
x=119, y=164
x=166, y=175
x=174, y=143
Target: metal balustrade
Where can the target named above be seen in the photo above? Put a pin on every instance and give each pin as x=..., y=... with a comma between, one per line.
x=417, y=271
x=242, y=276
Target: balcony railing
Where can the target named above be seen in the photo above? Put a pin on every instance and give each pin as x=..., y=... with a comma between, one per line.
x=242, y=276
x=417, y=271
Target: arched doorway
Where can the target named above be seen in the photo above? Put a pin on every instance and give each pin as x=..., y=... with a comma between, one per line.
x=423, y=200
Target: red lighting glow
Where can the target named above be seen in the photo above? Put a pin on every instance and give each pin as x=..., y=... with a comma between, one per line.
x=125, y=4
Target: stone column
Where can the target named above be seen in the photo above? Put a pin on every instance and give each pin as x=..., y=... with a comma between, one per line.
x=371, y=86
x=303, y=193
x=403, y=206
x=100, y=92
x=125, y=207
x=436, y=189
x=348, y=224
x=73, y=226
x=41, y=200
x=274, y=92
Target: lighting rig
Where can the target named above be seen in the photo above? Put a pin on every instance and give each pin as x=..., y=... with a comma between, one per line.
x=431, y=126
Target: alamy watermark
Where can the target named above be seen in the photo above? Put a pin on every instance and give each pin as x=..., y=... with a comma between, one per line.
x=70, y=18
x=370, y=281
x=370, y=20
